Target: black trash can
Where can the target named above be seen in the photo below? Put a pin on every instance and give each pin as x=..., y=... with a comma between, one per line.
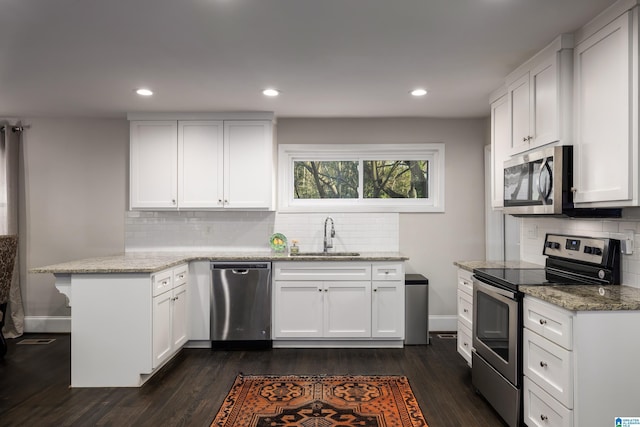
x=416, y=309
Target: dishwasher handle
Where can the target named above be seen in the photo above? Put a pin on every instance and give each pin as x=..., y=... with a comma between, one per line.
x=240, y=267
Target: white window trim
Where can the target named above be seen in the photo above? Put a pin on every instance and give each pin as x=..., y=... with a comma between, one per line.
x=434, y=152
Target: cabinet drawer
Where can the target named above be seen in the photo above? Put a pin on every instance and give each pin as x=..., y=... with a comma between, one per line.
x=465, y=281
x=549, y=366
x=387, y=272
x=322, y=271
x=542, y=410
x=464, y=342
x=465, y=309
x=548, y=321
x=162, y=282
x=180, y=275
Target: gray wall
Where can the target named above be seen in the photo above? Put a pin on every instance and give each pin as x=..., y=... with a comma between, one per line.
x=433, y=241
x=73, y=189
x=74, y=196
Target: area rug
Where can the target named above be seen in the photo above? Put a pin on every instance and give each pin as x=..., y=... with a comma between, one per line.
x=320, y=401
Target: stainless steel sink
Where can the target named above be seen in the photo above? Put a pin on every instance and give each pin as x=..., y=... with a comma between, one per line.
x=328, y=254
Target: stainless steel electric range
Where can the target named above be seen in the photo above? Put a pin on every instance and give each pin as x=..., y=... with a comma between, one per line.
x=497, y=311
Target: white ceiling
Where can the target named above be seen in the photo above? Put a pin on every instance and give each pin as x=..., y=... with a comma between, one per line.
x=330, y=58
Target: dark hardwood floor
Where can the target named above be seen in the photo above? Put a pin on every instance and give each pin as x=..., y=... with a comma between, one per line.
x=34, y=384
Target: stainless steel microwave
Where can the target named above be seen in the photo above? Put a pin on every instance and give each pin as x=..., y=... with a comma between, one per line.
x=540, y=183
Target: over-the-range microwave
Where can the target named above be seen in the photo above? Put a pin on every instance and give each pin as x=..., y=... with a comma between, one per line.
x=540, y=183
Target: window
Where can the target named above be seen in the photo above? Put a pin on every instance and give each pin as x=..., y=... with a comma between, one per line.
x=363, y=177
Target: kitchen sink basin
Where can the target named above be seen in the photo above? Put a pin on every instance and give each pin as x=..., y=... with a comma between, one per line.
x=327, y=254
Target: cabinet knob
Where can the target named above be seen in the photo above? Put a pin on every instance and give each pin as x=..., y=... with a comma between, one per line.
x=543, y=364
x=543, y=322
x=543, y=417
x=319, y=290
x=375, y=290
x=465, y=310
x=326, y=290
x=226, y=202
x=219, y=201
x=524, y=139
x=173, y=201
x=466, y=344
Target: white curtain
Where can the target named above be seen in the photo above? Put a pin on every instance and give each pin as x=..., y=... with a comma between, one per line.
x=9, y=175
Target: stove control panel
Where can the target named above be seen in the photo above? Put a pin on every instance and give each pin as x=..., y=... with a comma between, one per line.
x=592, y=250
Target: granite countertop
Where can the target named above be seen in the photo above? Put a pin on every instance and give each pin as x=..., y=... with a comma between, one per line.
x=147, y=262
x=587, y=297
x=471, y=265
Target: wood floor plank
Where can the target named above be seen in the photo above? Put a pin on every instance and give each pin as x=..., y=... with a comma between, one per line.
x=34, y=384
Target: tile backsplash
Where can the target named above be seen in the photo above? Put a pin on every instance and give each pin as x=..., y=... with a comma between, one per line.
x=250, y=230
x=534, y=229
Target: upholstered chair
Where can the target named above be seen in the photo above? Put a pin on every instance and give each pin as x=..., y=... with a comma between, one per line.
x=8, y=249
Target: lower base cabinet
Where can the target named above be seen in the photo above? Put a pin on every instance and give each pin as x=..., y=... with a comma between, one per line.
x=465, y=313
x=337, y=302
x=580, y=368
x=125, y=326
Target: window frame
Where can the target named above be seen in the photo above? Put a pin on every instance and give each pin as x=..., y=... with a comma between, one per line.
x=433, y=152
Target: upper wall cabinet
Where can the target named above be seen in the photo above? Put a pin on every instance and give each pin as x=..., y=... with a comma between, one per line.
x=539, y=98
x=499, y=147
x=606, y=99
x=201, y=164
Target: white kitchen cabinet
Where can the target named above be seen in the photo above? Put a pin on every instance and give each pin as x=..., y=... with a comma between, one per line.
x=579, y=367
x=154, y=165
x=298, y=309
x=465, y=313
x=500, y=148
x=606, y=99
x=201, y=164
x=169, y=312
x=248, y=164
x=387, y=321
x=125, y=326
x=337, y=304
x=539, y=98
x=347, y=309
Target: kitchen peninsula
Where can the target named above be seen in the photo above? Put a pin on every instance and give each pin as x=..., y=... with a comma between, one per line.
x=132, y=313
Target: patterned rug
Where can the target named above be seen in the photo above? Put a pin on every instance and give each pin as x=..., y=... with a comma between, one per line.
x=320, y=401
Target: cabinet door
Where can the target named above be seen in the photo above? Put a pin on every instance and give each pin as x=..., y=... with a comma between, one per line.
x=297, y=310
x=602, y=150
x=179, y=317
x=200, y=164
x=347, y=309
x=153, y=165
x=248, y=163
x=544, y=103
x=161, y=328
x=387, y=312
x=499, y=149
x=519, y=114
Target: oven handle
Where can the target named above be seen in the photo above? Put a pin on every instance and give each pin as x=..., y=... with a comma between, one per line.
x=495, y=290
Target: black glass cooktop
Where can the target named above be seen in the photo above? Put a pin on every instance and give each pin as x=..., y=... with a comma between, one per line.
x=512, y=278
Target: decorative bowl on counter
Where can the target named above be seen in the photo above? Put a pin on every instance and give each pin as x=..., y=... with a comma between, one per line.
x=278, y=242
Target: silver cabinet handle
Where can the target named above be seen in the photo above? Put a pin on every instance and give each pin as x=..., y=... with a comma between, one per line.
x=543, y=364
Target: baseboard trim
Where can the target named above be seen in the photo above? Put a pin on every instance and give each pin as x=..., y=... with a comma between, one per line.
x=47, y=324
x=443, y=323
x=62, y=324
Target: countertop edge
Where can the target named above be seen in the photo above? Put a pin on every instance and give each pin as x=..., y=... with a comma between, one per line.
x=115, y=264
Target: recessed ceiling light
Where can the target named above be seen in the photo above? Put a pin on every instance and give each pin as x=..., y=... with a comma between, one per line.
x=418, y=92
x=144, y=92
x=271, y=92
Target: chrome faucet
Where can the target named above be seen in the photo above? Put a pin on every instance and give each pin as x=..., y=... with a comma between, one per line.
x=328, y=240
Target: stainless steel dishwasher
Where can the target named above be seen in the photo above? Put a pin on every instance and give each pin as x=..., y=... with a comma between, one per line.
x=241, y=305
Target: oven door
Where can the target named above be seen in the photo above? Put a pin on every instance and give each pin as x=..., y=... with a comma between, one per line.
x=495, y=328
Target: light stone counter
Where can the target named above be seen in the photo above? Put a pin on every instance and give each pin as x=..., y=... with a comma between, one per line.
x=471, y=265
x=587, y=297
x=143, y=262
